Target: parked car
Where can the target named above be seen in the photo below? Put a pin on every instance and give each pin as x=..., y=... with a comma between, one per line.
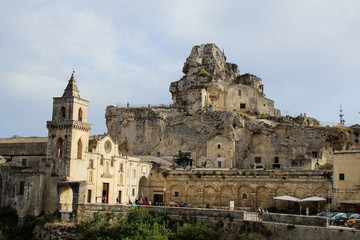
x=324, y=214
x=333, y=217
x=352, y=220
x=342, y=219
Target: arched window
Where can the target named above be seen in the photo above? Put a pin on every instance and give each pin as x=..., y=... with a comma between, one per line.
x=80, y=115
x=59, y=148
x=62, y=113
x=244, y=197
x=79, y=149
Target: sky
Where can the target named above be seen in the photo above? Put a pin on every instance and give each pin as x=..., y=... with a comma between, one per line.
x=306, y=52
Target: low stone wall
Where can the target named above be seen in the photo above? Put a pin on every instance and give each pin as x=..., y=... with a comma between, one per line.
x=295, y=219
x=55, y=231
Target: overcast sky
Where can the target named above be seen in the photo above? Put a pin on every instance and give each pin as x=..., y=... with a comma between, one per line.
x=306, y=52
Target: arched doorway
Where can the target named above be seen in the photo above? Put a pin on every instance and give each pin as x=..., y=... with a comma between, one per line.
x=144, y=190
x=66, y=199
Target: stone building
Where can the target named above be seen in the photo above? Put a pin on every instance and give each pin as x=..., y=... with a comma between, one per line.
x=346, y=180
x=211, y=82
x=69, y=167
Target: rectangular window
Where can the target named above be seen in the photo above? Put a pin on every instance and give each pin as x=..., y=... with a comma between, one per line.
x=101, y=160
x=314, y=154
x=144, y=169
x=23, y=162
x=276, y=160
x=242, y=105
x=133, y=192
x=134, y=173
x=158, y=154
x=342, y=176
x=219, y=164
x=121, y=167
x=21, y=188
x=239, y=92
x=218, y=146
x=91, y=163
x=257, y=159
x=112, y=162
x=176, y=194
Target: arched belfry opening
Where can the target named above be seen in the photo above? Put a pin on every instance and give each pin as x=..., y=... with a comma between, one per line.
x=62, y=113
x=80, y=115
x=79, y=149
x=59, y=148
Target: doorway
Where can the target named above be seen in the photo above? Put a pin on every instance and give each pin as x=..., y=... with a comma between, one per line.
x=105, y=193
x=158, y=199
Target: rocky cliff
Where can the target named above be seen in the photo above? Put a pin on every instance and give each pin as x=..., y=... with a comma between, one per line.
x=292, y=140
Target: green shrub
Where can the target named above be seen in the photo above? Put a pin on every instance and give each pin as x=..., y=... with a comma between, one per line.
x=204, y=74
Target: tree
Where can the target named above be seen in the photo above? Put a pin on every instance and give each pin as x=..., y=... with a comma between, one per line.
x=183, y=159
x=196, y=231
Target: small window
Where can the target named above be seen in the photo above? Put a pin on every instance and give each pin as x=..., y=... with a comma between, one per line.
x=158, y=154
x=218, y=146
x=276, y=160
x=23, y=162
x=101, y=160
x=244, y=197
x=314, y=154
x=176, y=194
x=239, y=92
x=219, y=164
x=144, y=169
x=62, y=114
x=121, y=167
x=242, y=105
x=257, y=159
x=89, y=196
x=21, y=188
x=91, y=163
x=134, y=173
x=80, y=115
x=219, y=155
x=133, y=192
x=112, y=161
x=341, y=176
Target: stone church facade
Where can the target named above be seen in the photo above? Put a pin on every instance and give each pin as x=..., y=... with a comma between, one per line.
x=69, y=167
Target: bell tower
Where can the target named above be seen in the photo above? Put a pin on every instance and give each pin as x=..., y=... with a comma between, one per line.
x=68, y=132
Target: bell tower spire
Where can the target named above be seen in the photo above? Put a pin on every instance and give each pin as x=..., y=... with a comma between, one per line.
x=71, y=89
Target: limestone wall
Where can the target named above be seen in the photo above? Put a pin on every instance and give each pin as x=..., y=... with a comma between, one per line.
x=249, y=189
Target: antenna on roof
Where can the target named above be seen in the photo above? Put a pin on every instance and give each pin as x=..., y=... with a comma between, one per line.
x=342, y=121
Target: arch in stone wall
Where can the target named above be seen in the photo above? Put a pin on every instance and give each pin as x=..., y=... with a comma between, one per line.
x=66, y=199
x=321, y=192
x=301, y=192
x=226, y=195
x=209, y=197
x=262, y=197
x=143, y=188
x=176, y=194
x=280, y=191
x=245, y=198
x=192, y=195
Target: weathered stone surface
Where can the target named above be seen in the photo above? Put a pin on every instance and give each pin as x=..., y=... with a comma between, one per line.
x=292, y=140
x=211, y=82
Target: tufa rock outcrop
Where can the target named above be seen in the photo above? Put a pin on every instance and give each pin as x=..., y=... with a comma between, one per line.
x=211, y=82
